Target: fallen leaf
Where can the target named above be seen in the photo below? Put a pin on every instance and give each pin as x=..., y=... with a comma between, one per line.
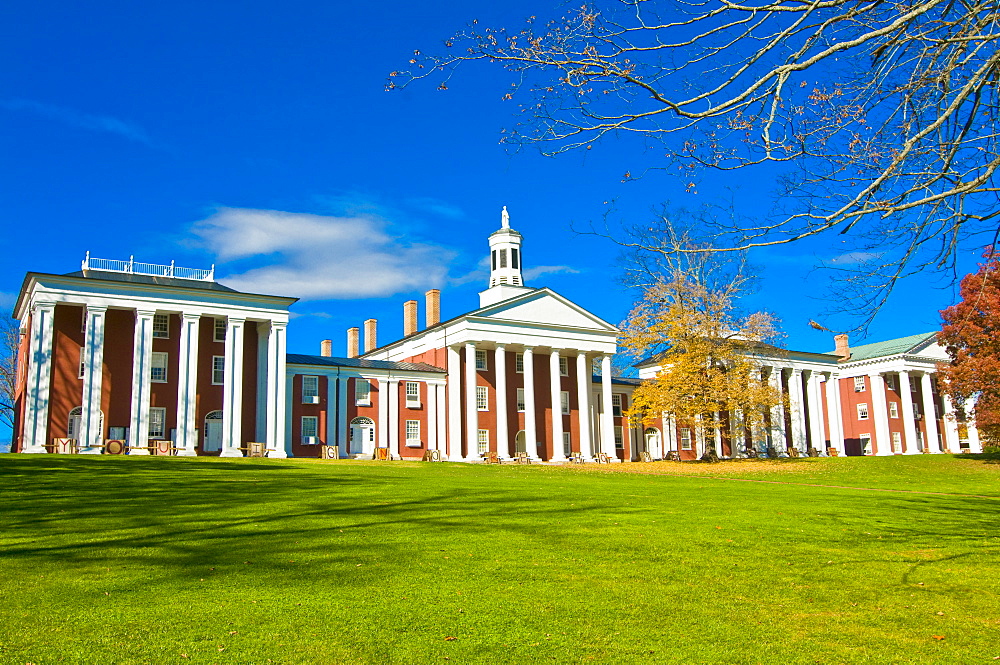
x=450, y=639
x=938, y=637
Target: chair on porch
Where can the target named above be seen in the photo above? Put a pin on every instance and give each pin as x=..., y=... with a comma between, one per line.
x=645, y=456
x=490, y=457
x=522, y=458
x=576, y=458
x=603, y=458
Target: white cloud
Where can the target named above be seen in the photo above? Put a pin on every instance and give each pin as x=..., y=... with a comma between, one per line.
x=437, y=207
x=316, y=257
x=854, y=258
x=91, y=121
x=538, y=271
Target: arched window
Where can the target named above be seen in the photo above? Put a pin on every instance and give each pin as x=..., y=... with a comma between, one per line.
x=74, y=420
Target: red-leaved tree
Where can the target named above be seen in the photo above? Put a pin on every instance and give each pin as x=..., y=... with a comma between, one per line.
x=971, y=334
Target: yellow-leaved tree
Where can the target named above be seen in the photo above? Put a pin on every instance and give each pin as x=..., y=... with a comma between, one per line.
x=709, y=357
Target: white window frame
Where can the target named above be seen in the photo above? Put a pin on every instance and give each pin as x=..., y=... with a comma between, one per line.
x=309, y=429
x=862, y=411
x=158, y=360
x=890, y=382
x=563, y=366
x=362, y=392
x=482, y=398
x=684, y=437
x=83, y=363
x=482, y=441
x=567, y=444
x=157, y=418
x=520, y=400
x=564, y=402
x=218, y=370
x=616, y=405
x=413, y=434
x=412, y=394
x=161, y=326
x=519, y=363
x=894, y=409
x=219, y=330
x=482, y=359
x=859, y=384
x=897, y=442
x=866, y=443
x=310, y=393
x=619, y=437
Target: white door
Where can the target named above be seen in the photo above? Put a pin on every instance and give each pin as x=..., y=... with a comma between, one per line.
x=362, y=436
x=213, y=432
x=653, y=443
x=520, y=443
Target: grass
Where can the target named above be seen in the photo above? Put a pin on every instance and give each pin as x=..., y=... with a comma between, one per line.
x=174, y=560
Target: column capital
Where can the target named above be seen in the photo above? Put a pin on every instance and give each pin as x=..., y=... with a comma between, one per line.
x=43, y=304
x=191, y=316
x=145, y=313
x=97, y=308
x=234, y=320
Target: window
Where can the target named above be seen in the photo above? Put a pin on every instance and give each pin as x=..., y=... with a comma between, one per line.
x=866, y=443
x=310, y=429
x=890, y=381
x=859, y=384
x=619, y=438
x=503, y=258
x=897, y=443
x=218, y=370
x=564, y=402
x=564, y=367
x=519, y=363
x=412, y=395
x=480, y=359
x=158, y=367
x=482, y=399
x=413, y=433
x=514, y=263
x=157, y=422
x=567, y=448
x=161, y=326
x=220, y=330
x=310, y=390
x=685, y=438
x=362, y=392
x=893, y=409
x=862, y=412
x=83, y=365
x=520, y=400
x=616, y=405
x=483, y=440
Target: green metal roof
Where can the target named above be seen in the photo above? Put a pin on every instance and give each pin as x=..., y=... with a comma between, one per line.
x=891, y=347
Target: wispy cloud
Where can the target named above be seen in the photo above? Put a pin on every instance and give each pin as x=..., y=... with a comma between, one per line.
x=854, y=258
x=317, y=257
x=437, y=207
x=90, y=121
x=538, y=271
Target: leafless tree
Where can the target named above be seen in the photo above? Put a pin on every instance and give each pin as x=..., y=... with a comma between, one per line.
x=881, y=115
x=9, y=340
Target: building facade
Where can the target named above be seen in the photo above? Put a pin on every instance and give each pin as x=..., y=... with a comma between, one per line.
x=148, y=359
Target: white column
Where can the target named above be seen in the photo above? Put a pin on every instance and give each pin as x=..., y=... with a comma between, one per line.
x=442, y=431
x=817, y=430
x=557, y=416
x=187, y=385
x=530, y=433
x=431, y=415
x=471, y=412
x=836, y=417
x=503, y=435
x=880, y=415
x=930, y=417
x=909, y=421
x=232, y=389
x=260, y=407
x=333, y=412
x=142, y=354
x=393, y=385
x=583, y=379
x=91, y=434
x=607, y=419
x=717, y=433
x=382, y=428
x=951, y=441
x=975, y=445
x=628, y=431
x=777, y=414
x=39, y=379
x=277, y=390
x=343, y=427
x=454, y=404
x=797, y=412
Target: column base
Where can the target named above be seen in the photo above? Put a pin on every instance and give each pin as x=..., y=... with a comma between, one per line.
x=90, y=451
x=277, y=454
x=34, y=450
x=138, y=451
x=186, y=452
x=229, y=452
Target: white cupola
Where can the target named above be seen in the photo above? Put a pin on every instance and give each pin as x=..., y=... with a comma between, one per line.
x=505, y=264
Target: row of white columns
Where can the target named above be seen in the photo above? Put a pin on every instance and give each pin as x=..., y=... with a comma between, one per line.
x=470, y=415
x=90, y=436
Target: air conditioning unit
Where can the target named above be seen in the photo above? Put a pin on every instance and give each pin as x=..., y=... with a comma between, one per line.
x=310, y=440
x=311, y=400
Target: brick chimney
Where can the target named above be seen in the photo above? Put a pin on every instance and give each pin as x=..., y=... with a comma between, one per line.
x=409, y=317
x=352, y=342
x=433, y=309
x=843, y=348
x=370, y=334
x=326, y=348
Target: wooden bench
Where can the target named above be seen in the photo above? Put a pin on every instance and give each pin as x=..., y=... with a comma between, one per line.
x=491, y=457
x=522, y=458
x=577, y=458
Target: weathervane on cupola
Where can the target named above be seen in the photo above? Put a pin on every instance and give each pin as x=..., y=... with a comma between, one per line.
x=505, y=263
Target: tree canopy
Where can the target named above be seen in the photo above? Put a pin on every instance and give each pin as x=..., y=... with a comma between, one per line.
x=882, y=117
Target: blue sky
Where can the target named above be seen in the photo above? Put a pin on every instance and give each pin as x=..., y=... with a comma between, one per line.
x=258, y=136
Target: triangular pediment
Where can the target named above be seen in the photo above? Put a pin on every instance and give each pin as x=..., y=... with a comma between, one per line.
x=547, y=308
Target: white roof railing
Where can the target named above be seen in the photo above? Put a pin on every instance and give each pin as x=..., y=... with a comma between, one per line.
x=138, y=268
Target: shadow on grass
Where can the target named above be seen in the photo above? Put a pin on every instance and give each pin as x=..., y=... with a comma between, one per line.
x=989, y=458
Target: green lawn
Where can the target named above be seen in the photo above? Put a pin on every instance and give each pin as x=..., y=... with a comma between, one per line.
x=174, y=560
